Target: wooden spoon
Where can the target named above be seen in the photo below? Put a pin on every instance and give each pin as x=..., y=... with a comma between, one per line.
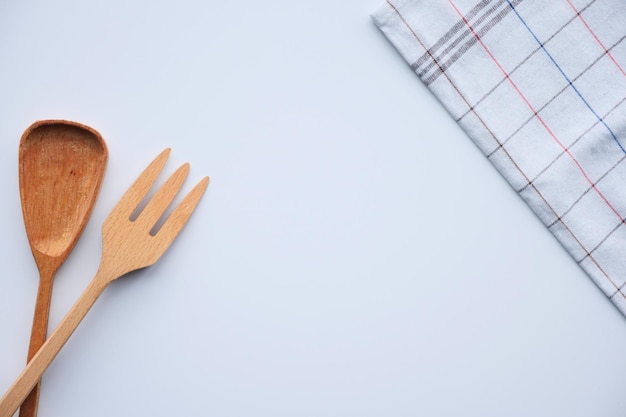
x=61, y=166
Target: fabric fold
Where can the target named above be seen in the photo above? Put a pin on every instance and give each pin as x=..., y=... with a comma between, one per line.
x=540, y=88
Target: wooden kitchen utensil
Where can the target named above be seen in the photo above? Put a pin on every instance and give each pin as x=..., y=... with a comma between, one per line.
x=127, y=245
x=61, y=166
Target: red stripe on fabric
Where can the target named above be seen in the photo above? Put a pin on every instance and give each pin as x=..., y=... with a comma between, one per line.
x=473, y=110
x=536, y=114
x=597, y=39
x=565, y=150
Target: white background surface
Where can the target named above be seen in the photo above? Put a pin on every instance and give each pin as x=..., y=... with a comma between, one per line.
x=327, y=271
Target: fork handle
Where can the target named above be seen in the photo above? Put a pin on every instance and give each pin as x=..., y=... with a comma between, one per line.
x=33, y=371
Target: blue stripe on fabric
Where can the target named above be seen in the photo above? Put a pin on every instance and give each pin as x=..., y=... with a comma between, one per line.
x=570, y=83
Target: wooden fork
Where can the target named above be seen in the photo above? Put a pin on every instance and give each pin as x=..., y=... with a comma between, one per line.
x=127, y=245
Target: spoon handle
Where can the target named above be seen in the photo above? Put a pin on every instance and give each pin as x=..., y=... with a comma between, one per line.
x=39, y=332
x=42, y=359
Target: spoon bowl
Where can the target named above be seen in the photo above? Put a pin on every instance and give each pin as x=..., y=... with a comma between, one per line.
x=61, y=167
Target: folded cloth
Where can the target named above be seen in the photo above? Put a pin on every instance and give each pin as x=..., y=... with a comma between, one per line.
x=540, y=87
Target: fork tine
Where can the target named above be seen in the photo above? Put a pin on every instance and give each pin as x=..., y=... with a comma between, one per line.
x=133, y=196
x=177, y=219
x=163, y=197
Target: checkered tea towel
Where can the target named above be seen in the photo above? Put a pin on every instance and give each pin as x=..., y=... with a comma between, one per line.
x=540, y=87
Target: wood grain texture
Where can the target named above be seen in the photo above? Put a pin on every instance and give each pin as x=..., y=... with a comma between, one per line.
x=61, y=167
x=127, y=245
